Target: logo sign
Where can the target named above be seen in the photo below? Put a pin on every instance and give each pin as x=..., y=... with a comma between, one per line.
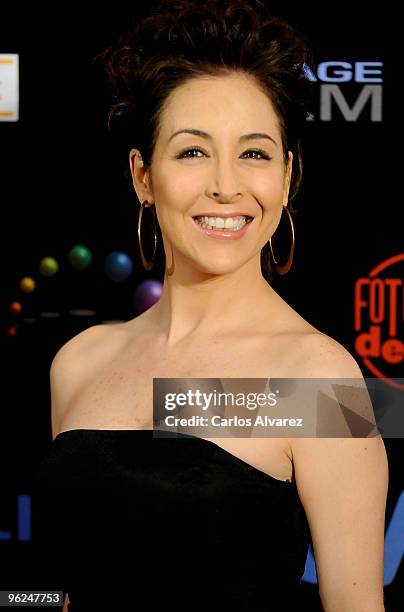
x=350, y=87
x=379, y=316
x=9, y=87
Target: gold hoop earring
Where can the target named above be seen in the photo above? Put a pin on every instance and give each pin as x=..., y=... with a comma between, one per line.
x=148, y=265
x=170, y=270
x=283, y=269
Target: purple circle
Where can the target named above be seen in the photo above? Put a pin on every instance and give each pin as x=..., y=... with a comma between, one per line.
x=146, y=294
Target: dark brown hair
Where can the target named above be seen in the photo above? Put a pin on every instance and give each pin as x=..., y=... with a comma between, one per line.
x=180, y=40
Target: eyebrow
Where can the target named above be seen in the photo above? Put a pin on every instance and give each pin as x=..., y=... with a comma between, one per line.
x=202, y=134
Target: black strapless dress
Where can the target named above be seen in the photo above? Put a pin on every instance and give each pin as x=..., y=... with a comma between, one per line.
x=126, y=521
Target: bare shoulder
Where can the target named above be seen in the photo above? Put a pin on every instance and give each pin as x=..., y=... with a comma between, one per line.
x=89, y=344
x=310, y=353
x=317, y=355
x=77, y=360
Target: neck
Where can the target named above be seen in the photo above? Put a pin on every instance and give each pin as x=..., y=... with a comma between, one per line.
x=198, y=304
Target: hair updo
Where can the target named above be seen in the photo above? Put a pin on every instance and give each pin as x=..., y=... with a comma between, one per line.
x=180, y=40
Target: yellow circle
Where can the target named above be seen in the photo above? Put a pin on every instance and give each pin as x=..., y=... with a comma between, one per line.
x=27, y=284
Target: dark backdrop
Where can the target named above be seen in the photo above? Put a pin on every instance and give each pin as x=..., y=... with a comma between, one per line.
x=61, y=185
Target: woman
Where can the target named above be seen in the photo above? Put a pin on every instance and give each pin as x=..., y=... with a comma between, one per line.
x=210, y=101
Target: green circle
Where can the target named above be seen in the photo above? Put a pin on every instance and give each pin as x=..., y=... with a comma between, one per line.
x=80, y=257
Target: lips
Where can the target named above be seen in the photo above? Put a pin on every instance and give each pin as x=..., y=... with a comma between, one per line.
x=224, y=215
x=222, y=233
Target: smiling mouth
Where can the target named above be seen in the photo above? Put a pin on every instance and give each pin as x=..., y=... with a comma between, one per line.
x=223, y=223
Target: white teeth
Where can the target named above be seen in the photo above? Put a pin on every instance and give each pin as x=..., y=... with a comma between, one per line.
x=235, y=223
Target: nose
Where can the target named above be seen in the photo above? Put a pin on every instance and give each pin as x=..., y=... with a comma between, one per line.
x=224, y=186
x=225, y=197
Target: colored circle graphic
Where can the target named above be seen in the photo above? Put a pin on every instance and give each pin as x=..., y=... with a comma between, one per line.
x=27, y=284
x=118, y=266
x=146, y=294
x=48, y=266
x=16, y=308
x=80, y=257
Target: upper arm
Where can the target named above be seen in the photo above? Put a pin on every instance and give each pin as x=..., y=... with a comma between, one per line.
x=342, y=483
x=68, y=368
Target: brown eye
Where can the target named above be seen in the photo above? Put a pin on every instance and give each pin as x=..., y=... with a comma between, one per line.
x=184, y=154
x=258, y=152
x=188, y=154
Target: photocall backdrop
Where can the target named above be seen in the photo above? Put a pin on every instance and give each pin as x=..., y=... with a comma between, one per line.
x=61, y=189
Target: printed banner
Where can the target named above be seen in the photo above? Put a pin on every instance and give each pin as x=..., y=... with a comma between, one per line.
x=278, y=407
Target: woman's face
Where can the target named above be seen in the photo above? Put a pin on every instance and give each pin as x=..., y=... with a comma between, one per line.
x=222, y=170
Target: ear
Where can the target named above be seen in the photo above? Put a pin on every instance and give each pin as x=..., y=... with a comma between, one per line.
x=288, y=178
x=140, y=177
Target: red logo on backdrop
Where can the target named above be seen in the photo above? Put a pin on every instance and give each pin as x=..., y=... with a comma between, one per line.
x=379, y=317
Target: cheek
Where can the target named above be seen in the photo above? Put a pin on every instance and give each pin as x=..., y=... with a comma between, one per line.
x=176, y=189
x=269, y=189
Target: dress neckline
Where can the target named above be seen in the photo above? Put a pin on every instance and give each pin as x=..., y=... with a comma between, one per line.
x=205, y=443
